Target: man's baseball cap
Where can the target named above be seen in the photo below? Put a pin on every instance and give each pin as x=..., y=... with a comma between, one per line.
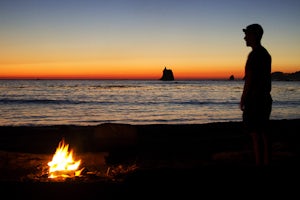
x=254, y=28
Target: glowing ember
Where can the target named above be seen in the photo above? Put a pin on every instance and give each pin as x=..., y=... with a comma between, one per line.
x=62, y=164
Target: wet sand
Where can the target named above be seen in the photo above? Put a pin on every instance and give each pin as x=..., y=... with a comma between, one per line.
x=138, y=161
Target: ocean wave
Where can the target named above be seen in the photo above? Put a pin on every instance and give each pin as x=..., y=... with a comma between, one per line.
x=38, y=101
x=136, y=102
x=113, y=102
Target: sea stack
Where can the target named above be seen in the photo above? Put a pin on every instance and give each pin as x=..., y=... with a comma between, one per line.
x=167, y=75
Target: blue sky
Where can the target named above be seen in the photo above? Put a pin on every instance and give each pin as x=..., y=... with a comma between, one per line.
x=186, y=34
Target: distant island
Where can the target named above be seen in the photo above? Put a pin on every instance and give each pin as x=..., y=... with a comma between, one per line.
x=167, y=75
x=280, y=76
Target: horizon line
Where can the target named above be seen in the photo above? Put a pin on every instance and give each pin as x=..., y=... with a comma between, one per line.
x=121, y=79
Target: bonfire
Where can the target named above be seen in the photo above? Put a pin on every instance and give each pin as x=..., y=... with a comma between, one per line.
x=63, y=164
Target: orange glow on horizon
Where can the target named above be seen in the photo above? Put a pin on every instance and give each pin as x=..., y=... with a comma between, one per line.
x=135, y=71
x=121, y=74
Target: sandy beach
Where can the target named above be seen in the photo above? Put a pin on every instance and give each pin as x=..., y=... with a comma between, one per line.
x=123, y=159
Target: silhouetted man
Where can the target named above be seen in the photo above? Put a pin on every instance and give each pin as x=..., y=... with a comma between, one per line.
x=256, y=100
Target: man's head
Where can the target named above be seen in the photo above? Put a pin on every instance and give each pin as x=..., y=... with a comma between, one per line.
x=253, y=34
x=255, y=29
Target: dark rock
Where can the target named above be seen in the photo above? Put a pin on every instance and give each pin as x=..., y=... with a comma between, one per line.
x=167, y=75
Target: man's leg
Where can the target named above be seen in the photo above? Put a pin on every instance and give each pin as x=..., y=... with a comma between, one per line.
x=258, y=148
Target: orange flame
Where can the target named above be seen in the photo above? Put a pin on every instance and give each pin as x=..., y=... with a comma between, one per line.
x=62, y=164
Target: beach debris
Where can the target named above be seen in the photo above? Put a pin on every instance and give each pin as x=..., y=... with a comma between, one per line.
x=120, y=169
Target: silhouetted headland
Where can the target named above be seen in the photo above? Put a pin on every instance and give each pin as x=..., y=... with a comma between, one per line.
x=280, y=76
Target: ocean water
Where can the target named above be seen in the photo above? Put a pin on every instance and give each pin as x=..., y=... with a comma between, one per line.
x=93, y=102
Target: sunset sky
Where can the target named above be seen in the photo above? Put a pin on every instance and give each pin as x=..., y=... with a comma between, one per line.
x=136, y=39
